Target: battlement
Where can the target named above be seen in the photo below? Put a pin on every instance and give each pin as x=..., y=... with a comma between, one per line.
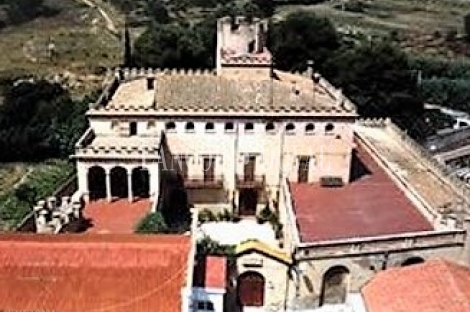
x=164, y=91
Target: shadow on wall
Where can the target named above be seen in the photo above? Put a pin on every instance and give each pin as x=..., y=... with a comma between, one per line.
x=358, y=168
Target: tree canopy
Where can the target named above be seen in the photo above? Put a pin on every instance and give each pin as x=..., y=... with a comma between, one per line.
x=38, y=120
x=300, y=37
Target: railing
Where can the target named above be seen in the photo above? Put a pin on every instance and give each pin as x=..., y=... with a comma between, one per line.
x=215, y=181
x=250, y=181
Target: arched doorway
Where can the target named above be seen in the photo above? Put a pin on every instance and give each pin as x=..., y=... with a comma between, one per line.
x=140, y=182
x=334, y=285
x=412, y=261
x=96, y=183
x=250, y=289
x=119, y=182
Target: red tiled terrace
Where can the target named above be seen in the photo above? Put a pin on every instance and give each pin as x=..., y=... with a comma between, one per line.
x=84, y=273
x=119, y=216
x=371, y=205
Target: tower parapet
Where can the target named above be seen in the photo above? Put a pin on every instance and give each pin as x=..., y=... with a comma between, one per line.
x=241, y=44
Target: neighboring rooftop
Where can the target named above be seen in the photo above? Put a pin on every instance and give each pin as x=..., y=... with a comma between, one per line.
x=371, y=205
x=119, y=216
x=448, y=141
x=211, y=272
x=434, y=286
x=204, y=92
x=75, y=273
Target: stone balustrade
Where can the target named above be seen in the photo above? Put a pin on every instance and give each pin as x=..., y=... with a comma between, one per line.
x=52, y=215
x=381, y=244
x=438, y=168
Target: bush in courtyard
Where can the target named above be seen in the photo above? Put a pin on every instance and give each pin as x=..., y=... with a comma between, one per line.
x=206, y=215
x=226, y=215
x=208, y=246
x=152, y=223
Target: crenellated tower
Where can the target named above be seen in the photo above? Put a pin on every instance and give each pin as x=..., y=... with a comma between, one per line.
x=241, y=46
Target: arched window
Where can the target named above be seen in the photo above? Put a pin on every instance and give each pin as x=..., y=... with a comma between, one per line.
x=270, y=127
x=290, y=128
x=334, y=286
x=229, y=127
x=329, y=128
x=210, y=126
x=249, y=127
x=190, y=126
x=309, y=128
x=170, y=126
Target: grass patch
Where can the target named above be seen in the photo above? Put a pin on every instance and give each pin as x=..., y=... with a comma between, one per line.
x=43, y=178
x=414, y=20
x=83, y=46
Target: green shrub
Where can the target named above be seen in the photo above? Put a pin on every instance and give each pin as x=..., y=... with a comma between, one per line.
x=206, y=215
x=226, y=215
x=208, y=246
x=152, y=223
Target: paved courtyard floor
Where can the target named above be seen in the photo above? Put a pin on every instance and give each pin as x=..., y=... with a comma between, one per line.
x=119, y=216
x=233, y=233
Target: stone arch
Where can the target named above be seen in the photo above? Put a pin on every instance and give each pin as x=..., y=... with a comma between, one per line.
x=118, y=177
x=334, y=285
x=141, y=182
x=250, y=289
x=96, y=183
x=412, y=261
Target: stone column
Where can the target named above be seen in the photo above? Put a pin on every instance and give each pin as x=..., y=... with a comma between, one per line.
x=108, y=186
x=129, y=186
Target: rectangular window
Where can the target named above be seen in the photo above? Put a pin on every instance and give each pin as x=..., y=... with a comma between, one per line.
x=209, y=169
x=304, y=166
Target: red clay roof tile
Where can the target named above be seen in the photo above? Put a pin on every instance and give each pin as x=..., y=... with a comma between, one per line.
x=434, y=286
x=85, y=273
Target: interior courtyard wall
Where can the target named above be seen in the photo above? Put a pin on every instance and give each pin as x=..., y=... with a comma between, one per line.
x=361, y=267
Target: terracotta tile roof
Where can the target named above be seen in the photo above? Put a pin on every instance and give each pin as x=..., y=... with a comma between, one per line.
x=116, y=217
x=204, y=91
x=371, y=205
x=434, y=286
x=84, y=273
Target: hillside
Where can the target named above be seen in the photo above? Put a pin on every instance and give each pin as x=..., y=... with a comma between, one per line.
x=65, y=39
x=432, y=27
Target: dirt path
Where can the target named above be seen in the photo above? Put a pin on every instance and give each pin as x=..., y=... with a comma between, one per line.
x=110, y=24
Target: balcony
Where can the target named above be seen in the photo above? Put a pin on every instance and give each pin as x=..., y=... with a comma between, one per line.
x=204, y=182
x=251, y=181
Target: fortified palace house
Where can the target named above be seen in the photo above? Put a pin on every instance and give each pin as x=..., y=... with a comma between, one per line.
x=354, y=196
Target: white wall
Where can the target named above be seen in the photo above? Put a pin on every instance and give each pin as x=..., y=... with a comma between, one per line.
x=214, y=295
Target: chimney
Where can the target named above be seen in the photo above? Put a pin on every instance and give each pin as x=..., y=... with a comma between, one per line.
x=310, y=68
x=150, y=83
